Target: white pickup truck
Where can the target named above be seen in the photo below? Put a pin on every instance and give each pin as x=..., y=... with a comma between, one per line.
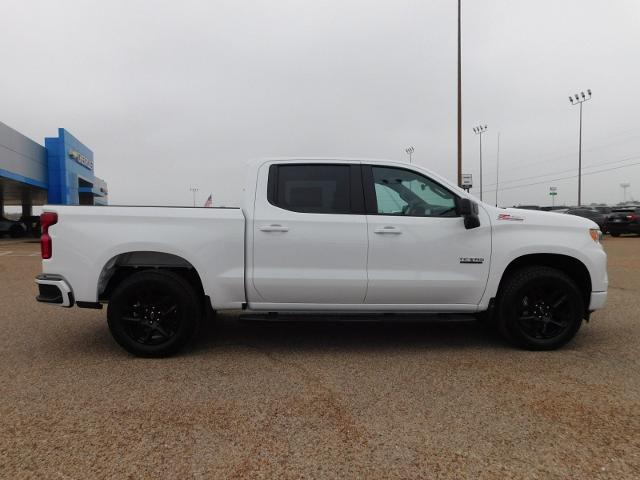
x=331, y=236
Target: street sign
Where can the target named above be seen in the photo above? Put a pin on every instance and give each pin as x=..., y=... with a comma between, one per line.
x=553, y=194
x=467, y=181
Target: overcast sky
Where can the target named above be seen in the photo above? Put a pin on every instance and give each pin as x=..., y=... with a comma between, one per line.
x=174, y=94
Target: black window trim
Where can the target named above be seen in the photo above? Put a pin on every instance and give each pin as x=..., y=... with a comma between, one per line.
x=370, y=198
x=356, y=189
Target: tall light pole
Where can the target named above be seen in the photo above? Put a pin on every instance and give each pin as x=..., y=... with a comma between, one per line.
x=497, y=168
x=579, y=100
x=479, y=130
x=459, y=99
x=194, y=190
x=409, y=152
x=624, y=186
x=553, y=191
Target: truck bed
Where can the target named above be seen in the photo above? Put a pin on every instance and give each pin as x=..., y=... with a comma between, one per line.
x=88, y=241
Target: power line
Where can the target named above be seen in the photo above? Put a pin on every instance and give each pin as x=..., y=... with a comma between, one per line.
x=567, y=177
x=595, y=165
x=598, y=146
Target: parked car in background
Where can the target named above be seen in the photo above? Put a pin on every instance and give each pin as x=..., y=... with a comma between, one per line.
x=32, y=222
x=591, y=214
x=12, y=228
x=624, y=220
x=603, y=209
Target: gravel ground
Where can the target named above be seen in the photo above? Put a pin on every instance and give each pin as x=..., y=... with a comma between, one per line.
x=272, y=400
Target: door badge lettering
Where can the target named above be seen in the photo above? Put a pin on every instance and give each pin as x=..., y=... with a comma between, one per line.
x=471, y=260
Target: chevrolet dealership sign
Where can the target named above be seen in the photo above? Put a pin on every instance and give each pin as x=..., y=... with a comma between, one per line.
x=81, y=159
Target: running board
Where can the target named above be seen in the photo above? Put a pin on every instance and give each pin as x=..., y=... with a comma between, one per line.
x=357, y=317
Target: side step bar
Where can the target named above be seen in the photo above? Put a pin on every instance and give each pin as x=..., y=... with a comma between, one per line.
x=357, y=317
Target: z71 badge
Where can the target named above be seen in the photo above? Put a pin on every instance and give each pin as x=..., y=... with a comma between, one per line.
x=509, y=217
x=471, y=260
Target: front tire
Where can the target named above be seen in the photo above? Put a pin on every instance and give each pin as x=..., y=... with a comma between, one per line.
x=540, y=308
x=154, y=313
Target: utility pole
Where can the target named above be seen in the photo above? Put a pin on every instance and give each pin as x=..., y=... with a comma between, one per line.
x=409, y=152
x=579, y=100
x=497, y=168
x=194, y=190
x=479, y=130
x=459, y=99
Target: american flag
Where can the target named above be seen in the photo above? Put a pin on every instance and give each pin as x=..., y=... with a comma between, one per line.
x=209, y=202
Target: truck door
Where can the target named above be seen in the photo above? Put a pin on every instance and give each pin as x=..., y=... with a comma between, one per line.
x=419, y=250
x=309, y=234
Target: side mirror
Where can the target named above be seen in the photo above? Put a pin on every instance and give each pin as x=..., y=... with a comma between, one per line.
x=464, y=207
x=469, y=211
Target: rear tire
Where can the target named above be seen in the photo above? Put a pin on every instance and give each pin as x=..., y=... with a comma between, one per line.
x=16, y=231
x=540, y=308
x=154, y=313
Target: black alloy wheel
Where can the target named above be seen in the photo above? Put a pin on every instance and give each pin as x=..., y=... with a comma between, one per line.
x=540, y=308
x=153, y=313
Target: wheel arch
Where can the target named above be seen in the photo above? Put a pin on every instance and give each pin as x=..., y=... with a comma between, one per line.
x=571, y=266
x=125, y=264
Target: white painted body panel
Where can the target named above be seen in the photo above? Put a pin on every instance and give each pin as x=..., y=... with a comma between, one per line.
x=320, y=262
x=210, y=239
x=319, y=259
x=543, y=232
x=420, y=264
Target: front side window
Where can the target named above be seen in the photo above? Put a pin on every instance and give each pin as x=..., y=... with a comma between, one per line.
x=313, y=188
x=402, y=192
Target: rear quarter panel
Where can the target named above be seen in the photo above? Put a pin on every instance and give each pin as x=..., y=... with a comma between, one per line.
x=210, y=239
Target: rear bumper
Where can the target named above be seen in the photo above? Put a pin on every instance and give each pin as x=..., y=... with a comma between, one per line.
x=54, y=289
x=598, y=300
x=623, y=228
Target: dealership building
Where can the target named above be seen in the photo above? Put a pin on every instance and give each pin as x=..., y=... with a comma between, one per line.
x=59, y=172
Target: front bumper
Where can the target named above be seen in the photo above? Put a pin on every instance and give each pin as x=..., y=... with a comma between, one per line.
x=597, y=301
x=54, y=289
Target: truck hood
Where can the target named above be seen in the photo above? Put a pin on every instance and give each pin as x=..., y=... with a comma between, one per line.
x=538, y=218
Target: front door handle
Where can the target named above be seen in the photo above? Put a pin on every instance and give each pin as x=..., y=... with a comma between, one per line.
x=388, y=229
x=274, y=228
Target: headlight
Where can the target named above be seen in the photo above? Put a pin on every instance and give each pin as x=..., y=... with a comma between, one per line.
x=596, y=234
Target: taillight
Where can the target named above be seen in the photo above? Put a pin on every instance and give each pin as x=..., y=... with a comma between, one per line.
x=632, y=217
x=46, y=220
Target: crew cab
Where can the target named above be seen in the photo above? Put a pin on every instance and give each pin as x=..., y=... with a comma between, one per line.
x=325, y=235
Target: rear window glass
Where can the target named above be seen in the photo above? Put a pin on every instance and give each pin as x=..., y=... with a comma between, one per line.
x=313, y=188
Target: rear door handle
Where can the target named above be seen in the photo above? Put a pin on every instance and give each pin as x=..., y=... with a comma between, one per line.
x=274, y=228
x=388, y=229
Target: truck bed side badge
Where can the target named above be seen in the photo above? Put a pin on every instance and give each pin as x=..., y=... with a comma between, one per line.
x=471, y=260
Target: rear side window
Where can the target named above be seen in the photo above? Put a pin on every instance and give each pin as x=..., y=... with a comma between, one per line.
x=311, y=188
